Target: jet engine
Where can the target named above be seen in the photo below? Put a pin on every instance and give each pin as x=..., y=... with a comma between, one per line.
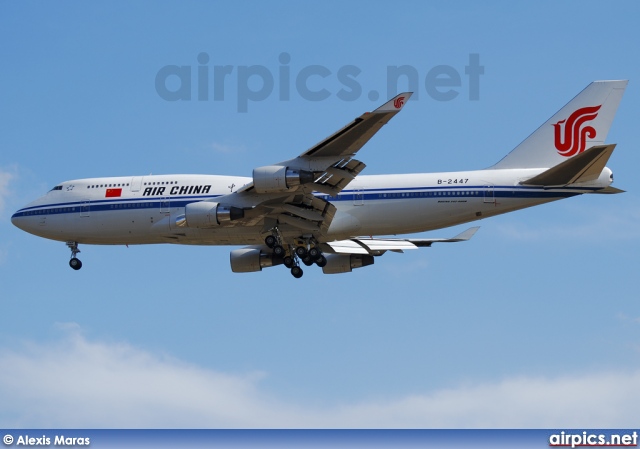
x=344, y=263
x=277, y=178
x=249, y=259
x=206, y=214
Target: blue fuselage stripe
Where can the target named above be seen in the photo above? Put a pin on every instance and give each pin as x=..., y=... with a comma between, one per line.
x=386, y=194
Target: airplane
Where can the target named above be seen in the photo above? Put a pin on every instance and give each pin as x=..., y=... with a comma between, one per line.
x=316, y=208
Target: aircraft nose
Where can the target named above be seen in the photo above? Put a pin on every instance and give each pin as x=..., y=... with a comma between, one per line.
x=20, y=221
x=15, y=219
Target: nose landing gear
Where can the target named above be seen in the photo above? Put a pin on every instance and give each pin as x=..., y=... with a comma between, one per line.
x=74, y=263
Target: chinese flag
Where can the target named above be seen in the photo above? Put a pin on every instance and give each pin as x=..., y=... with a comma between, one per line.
x=113, y=193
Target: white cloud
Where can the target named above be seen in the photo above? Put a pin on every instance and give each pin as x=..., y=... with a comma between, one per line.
x=5, y=178
x=76, y=382
x=218, y=147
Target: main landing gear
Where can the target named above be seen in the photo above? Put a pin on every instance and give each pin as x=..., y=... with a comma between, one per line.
x=292, y=258
x=74, y=262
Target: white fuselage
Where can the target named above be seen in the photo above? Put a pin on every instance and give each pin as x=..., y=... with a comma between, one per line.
x=143, y=210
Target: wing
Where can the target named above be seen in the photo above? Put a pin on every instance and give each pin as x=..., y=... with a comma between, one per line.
x=282, y=194
x=376, y=247
x=345, y=255
x=331, y=160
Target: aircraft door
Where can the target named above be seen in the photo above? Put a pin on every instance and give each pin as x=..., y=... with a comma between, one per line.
x=489, y=194
x=358, y=197
x=171, y=211
x=136, y=183
x=85, y=208
x=165, y=205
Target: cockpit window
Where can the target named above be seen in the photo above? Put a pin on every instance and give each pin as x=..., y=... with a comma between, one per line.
x=56, y=188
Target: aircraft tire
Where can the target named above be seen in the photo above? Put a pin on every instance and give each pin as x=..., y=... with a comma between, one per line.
x=314, y=253
x=270, y=241
x=75, y=263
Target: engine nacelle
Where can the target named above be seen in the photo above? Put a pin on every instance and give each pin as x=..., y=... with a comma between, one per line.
x=206, y=214
x=277, y=178
x=246, y=260
x=344, y=263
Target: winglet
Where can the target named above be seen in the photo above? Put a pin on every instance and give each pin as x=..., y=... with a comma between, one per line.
x=395, y=104
x=464, y=236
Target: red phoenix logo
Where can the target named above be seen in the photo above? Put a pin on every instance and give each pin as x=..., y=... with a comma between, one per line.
x=574, y=138
x=398, y=102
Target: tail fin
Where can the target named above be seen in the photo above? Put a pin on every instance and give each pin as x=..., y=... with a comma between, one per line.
x=582, y=123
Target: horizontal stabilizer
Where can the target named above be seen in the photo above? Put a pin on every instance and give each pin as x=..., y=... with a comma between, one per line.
x=587, y=166
x=609, y=190
x=379, y=246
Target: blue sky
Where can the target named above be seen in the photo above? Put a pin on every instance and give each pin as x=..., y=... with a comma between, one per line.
x=533, y=323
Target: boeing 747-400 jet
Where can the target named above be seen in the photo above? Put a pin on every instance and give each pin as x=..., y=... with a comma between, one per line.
x=315, y=208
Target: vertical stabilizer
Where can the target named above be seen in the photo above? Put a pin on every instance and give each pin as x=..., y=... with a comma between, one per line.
x=582, y=123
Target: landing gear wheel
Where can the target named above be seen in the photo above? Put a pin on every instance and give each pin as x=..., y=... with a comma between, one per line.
x=314, y=253
x=75, y=263
x=301, y=251
x=270, y=241
x=297, y=272
x=307, y=260
x=288, y=262
x=321, y=261
x=278, y=251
